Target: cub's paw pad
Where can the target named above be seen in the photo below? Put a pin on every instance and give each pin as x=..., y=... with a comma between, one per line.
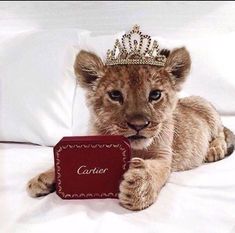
x=40, y=186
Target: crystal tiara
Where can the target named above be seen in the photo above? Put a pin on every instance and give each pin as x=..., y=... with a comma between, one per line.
x=135, y=48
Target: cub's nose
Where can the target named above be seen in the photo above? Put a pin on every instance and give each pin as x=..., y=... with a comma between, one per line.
x=137, y=122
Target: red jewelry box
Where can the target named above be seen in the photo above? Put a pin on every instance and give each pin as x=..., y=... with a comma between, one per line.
x=90, y=166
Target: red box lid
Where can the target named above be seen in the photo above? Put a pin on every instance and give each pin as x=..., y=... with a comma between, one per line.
x=90, y=166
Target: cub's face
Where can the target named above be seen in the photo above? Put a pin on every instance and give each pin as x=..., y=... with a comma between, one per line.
x=131, y=100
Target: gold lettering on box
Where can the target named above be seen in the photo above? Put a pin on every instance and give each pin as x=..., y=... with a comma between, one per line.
x=83, y=170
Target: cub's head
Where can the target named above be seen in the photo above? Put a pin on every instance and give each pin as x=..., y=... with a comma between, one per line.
x=132, y=100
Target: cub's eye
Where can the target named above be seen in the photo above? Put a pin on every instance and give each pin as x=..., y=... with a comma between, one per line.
x=154, y=95
x=116, y=96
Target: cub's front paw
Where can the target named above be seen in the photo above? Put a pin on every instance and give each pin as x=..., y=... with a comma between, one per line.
x=41, y=185
x=138, y=189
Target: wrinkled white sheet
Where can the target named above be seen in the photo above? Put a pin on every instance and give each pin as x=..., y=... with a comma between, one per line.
x=201, y=200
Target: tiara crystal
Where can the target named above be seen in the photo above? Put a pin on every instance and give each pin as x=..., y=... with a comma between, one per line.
x=135, y=48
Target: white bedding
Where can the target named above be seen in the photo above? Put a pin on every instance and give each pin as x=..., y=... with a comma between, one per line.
x=197, y=201
x=201, y=200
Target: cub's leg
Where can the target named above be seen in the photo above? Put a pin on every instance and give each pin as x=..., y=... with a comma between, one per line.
x=42, y=184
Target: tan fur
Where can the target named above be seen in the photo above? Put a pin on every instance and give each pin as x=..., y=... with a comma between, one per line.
x=180, y=134
x=42, y=184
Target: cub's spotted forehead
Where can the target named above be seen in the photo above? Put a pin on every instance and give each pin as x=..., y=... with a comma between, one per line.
x=135, y=75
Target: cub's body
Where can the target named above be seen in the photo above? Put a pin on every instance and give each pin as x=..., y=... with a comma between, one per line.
x=196, y=124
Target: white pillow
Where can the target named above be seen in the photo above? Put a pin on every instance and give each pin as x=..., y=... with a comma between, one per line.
x=36, y=88
x=211, y=77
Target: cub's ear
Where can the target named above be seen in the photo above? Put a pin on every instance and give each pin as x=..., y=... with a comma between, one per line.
x=88, y=67
x=178, y=65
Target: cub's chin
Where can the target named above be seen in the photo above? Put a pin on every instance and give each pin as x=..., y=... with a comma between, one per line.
x=139, y=143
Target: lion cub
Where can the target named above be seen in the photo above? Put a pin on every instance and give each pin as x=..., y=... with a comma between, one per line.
x=166, y=133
